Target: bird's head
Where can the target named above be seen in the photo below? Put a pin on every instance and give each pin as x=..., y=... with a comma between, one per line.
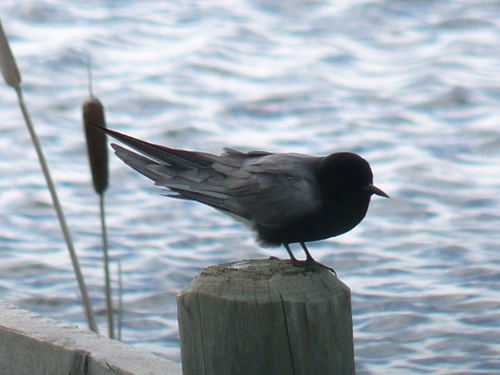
x=347, y=172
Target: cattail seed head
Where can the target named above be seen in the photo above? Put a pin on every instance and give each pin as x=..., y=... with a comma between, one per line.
x=8, y=64
x=97, y=150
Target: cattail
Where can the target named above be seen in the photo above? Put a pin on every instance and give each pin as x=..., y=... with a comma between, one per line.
x=97, y=150
x=12, y=77
x=8, y=64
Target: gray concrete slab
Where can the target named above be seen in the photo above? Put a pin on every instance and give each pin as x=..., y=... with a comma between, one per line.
x=32, y=344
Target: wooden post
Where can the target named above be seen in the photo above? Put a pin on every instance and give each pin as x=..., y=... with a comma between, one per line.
x=265, y=317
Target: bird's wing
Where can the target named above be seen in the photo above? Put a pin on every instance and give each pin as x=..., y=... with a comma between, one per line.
x=201, y=183
x=162, y=154
x=260, y=187
x=270, y=189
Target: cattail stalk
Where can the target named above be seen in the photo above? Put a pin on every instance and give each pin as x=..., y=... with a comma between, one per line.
x=93, y=112
x=12, y=77
x=120, y=301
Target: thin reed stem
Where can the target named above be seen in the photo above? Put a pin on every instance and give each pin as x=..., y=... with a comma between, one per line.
x=60, y=214
x=109, y=302
x=120, y=301
x=12, y=77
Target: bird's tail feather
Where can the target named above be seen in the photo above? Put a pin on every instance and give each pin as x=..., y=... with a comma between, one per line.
x=162, y=154
x=140, y=163
x=201, y=185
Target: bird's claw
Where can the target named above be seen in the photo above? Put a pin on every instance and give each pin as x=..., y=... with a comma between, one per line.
x=310, y=262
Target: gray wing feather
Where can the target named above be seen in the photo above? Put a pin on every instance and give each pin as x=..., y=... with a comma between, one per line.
x=273, y=189
x=260, y=187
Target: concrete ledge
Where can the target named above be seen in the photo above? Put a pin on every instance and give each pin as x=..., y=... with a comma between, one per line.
x=33, y=344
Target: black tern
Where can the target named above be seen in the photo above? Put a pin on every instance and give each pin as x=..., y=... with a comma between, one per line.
x=284, y=197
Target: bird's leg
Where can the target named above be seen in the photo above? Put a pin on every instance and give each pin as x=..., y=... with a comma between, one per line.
x=311, y=261
x=292, y=257
x=309, y=258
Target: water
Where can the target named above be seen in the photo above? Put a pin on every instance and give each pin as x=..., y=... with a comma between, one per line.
x=413, y=86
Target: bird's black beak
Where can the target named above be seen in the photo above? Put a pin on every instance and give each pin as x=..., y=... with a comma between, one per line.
x=375, y=190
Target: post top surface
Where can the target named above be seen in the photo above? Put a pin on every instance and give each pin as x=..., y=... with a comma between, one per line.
x=266, y=279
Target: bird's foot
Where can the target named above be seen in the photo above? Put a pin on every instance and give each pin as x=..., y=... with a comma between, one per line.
x=309, y=262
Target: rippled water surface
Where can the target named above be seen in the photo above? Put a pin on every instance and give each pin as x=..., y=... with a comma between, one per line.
x=413, y=86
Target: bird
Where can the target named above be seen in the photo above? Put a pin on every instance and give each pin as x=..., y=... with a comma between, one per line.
x=284, y=197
